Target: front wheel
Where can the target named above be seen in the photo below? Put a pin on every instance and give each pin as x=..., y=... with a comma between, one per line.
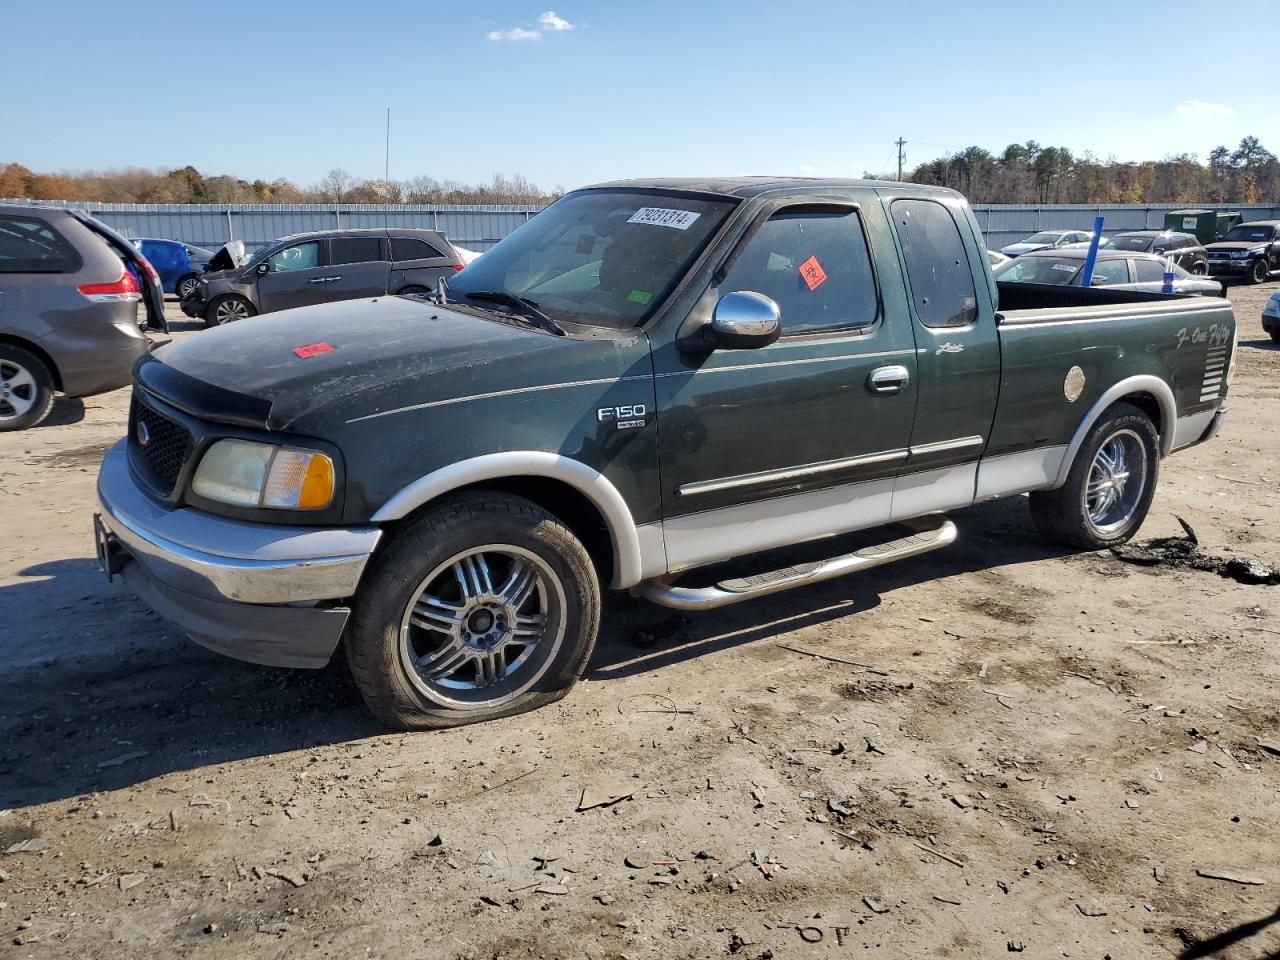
x=1200, y=269
x=1259, y=272
x=485, y=606
x=227, y=309
x=186, y=285
x=1110, y=486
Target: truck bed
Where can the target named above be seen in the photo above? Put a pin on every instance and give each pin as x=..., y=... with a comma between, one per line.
x=1044, y=296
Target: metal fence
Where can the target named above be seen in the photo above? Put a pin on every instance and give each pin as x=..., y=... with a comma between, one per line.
x=480, y=227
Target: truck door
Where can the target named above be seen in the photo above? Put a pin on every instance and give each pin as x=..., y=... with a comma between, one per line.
x=957, y=354
x=297, y=276
x=801, y=438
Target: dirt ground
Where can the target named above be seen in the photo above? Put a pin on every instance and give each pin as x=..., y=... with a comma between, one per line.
x=1036, y=754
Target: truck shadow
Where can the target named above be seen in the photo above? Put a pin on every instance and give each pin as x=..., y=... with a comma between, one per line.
x=640, y=637
x=99, y=694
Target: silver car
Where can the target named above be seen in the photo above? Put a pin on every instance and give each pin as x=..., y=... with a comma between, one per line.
x=70, y=290
x=1116, y=269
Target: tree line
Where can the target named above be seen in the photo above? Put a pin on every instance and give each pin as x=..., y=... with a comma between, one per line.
x=1030, y=173
x=189, y=185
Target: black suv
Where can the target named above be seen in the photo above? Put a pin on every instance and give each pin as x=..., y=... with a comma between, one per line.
x=1249, y=249
x=1184, y=249
x=308, y=268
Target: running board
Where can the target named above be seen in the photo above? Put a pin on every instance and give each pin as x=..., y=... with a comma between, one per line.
x=931, y=533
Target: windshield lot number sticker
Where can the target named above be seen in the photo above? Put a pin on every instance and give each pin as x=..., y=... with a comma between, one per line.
x=664, y=217
x=812, y=273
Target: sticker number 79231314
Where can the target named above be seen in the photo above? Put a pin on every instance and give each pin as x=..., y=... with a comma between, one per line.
x=664, y=217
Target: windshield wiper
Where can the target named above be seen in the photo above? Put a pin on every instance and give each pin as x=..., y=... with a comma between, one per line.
x=526, y=308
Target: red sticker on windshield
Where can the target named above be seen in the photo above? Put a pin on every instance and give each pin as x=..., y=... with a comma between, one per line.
x=812, y=273
x=313, y=349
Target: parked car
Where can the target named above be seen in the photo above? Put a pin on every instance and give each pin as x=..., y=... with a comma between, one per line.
x=178, y=264
x=1271, y=317
x=648, y=378
x=997, y=259
x=1046, y=240
x=1250, y=250
x=69, y=294
x=1120, y=269
x=310, y=268
x=1183, y=248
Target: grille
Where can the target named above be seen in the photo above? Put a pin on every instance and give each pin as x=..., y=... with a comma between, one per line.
x=168, y=444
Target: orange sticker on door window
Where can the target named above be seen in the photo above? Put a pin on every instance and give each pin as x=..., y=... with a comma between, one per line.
x=812, y=273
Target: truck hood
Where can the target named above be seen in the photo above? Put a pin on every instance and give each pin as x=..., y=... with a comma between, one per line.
x=351, y=359
x=1236, y=246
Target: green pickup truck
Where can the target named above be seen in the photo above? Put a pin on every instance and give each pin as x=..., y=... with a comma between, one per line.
x=645, y=380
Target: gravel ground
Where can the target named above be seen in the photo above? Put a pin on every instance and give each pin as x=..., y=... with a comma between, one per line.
x=1009, y=750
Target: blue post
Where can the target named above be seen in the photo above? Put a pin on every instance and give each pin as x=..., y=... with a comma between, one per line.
x=1086, y=275
x=1167, y=287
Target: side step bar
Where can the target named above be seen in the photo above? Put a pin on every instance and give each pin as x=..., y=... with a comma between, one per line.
x=931, y=533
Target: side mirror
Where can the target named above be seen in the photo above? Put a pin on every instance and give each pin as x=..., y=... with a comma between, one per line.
x=262, y=269
x=744, y=320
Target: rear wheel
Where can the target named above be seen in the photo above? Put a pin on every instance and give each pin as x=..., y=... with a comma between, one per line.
x=227, y=309
x=186, y=284
x=1258, y=273
x=1110, y=486
x=26, y=388
x=1200, y=268
x=484, y=607
x=413, y=289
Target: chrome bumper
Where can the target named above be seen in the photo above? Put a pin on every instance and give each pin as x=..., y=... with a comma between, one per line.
x=249, y=590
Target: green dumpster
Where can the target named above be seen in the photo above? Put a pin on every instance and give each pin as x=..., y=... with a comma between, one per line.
x=1207, y=225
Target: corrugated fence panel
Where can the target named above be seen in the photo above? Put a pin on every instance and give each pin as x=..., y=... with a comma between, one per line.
x=480, y=227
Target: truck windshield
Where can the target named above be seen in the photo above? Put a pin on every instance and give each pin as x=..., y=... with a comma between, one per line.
x=1246, y=232
x=599, y=257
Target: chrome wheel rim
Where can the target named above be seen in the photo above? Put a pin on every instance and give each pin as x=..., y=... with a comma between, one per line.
x=482, y=627
x=1117, y=481
x=17, y=390
x=229, y=310
x=186, y=286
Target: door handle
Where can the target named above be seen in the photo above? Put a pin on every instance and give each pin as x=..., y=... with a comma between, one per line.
x=888, y=380
x=318, y=280
x=332, y=279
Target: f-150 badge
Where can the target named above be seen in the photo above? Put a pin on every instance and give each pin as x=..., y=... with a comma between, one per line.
x=626, y=417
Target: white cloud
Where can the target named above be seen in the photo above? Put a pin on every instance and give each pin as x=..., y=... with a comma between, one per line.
x=515, y=34
x=553, y=21
x=1201, y=108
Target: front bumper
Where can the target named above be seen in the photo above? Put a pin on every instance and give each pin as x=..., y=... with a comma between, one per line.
x=260, y=592
x=1270, y=321
x=193, y=305
x=1230, y=267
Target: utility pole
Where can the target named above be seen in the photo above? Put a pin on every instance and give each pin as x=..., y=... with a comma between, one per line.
x=386, y=168
x=901, y=143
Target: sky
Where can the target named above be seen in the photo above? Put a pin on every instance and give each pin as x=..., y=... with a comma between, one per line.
x=569, y=92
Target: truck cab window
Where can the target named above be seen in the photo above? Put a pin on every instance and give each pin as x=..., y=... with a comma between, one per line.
x=938, y=271
x=815, y=265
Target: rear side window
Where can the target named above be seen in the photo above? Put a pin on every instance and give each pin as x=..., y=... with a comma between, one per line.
x=355, y=250
x=29, y=245
x=411, y=248
x=814, y=263
x=937, y=266
x=1149, y=271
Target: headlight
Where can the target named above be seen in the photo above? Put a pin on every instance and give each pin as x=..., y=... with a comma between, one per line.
x=248, y=474
x=1240, y=254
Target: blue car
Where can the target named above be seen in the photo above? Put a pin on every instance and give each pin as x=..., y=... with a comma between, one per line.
x=179, y=264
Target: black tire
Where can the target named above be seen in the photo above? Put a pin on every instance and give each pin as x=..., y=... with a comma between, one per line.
x=1258, y=271
x=413, y=288
x=1064, y=514
x=187, y=281
x=380, y=636
x=1200, y=269
x=1275, y=334
x=26, y=388
x=226, y=309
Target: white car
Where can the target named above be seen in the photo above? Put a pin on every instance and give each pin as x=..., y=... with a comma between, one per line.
x=1046, y=240
x=1271, y=317
x=467, y=256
